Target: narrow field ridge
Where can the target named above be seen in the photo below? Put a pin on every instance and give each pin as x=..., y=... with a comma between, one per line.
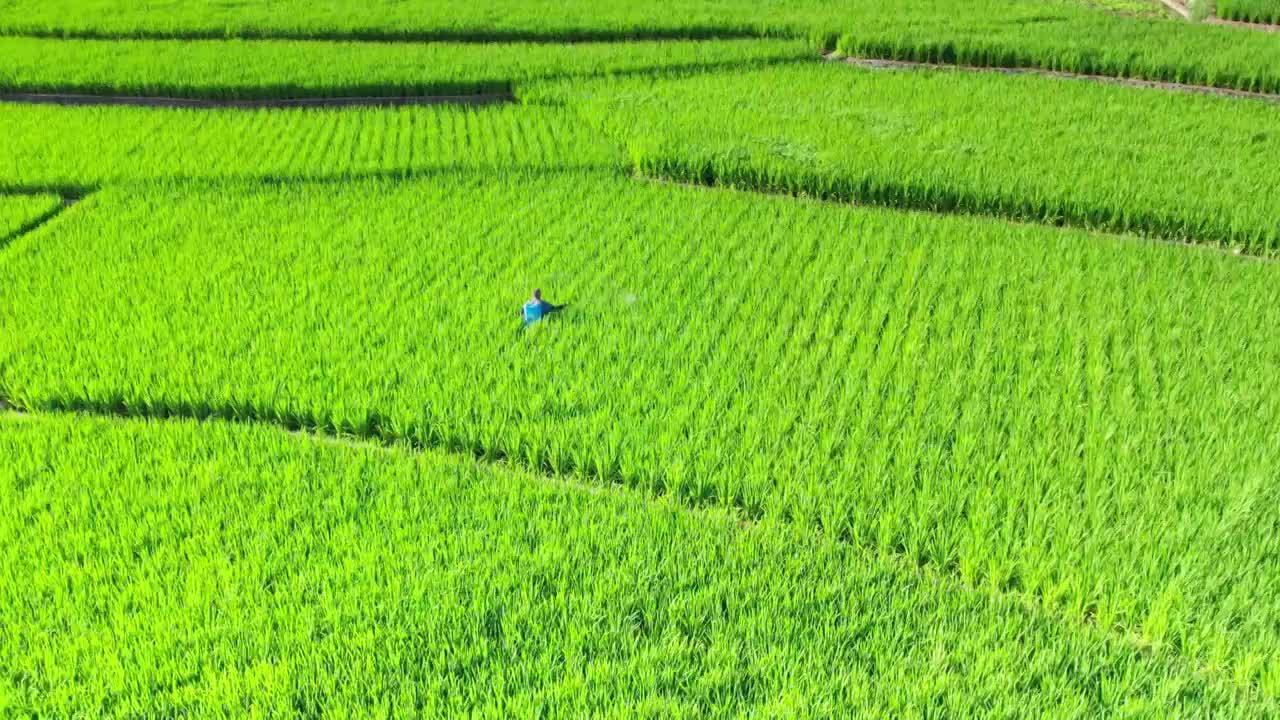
x=1178, y=8
x=746, y=186
x=79, y=100
x=479, y=37
x=5, y=240
x=376, y=437
x=67, y=191
x=879, y=64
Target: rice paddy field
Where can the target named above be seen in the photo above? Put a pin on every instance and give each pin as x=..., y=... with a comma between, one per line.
x=1251, y=11
x=920, y=360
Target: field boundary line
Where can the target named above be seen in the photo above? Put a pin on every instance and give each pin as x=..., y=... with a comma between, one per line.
x=874, y=63
x=81, y=99
x=370, y=35
x=67, y=190
x=375, y=438
x=31, y=226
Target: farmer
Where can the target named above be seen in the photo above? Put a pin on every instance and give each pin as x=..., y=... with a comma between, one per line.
x=537, y=308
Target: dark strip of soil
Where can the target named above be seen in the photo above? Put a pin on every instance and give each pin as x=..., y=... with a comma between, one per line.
x=476, y=36
x=71, y=99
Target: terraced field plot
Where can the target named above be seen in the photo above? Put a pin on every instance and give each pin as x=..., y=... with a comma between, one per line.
x=481, y=589
x=85, y=147
x=1057, y=152
x=877, y=374
x=275, y=69
x=1062, y=34
x=276, y=444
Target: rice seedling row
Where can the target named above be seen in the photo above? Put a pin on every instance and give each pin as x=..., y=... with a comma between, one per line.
x=1104, y=44
x=200, y=569
x=1171, y=165
x=1255, y=11
x=1144, y=8
x=232, y=69
x=1079, y=419
x=85, y=147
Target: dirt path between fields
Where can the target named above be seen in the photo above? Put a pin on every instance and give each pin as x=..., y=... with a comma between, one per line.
x=77, y=100
x=875, y=64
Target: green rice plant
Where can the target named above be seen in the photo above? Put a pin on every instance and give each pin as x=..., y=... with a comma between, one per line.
x=1083, y=422
x=1142, y=8
x=1171, y=165
x=176, y=568
x=84, y=147
x=1055, y=34
x=19, y=213
x=1255, y=11
x=235, y=69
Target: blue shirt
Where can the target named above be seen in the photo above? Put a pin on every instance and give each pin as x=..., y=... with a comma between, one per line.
x=535, y=309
